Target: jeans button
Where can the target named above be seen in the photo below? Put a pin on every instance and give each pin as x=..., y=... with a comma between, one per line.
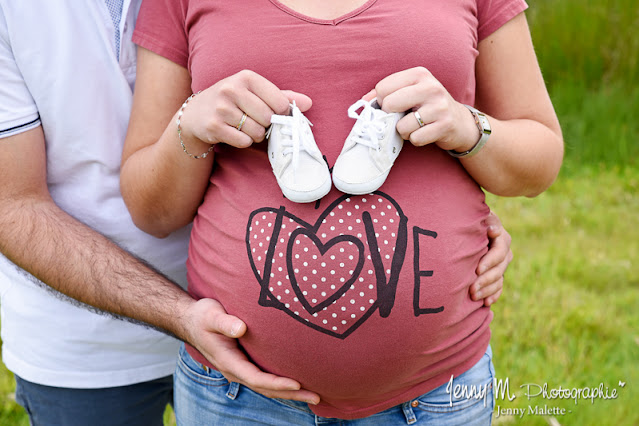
x=414, y=404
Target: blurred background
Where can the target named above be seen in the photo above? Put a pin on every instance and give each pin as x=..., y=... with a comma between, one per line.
x=569, y=314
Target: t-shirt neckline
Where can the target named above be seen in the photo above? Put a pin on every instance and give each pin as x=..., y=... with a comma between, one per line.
x=313, y=20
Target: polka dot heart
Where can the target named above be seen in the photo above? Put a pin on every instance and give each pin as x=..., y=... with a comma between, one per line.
x=337, y=262
x=330, y=276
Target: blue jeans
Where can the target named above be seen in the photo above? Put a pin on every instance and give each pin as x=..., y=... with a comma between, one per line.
x=204, y=397
x=141, y=404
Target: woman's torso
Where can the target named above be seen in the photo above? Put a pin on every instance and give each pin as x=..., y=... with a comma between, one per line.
x=365, y=330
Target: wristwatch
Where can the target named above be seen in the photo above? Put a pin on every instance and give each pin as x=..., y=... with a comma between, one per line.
x=484, y=133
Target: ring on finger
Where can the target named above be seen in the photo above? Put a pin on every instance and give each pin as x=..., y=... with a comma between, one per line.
x=419, y=119
x=241, y=123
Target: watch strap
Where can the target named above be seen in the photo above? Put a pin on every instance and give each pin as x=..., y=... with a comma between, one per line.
x=484, y=133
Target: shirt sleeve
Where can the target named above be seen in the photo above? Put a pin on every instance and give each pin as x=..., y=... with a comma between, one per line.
x=161, y=28
x=18, y=111
x=493, y=14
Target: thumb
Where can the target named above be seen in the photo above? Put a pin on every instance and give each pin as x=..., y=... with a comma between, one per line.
x=302, y=101
x=223, y=323
x=494, y=225
x=370, y=95
x=230, y=325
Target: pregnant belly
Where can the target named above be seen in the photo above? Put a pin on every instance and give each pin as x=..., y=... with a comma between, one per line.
x=356, y=304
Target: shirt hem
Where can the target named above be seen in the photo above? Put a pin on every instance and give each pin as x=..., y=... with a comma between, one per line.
x=149, y=42
x=500, y=19
x=86, y=380
x=14, y=128
x=414, y=392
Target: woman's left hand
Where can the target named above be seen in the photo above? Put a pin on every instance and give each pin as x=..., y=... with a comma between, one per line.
x=445, y=121
x=492, y=266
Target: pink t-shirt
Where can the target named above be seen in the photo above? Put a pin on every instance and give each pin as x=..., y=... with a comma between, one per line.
x=363, y=299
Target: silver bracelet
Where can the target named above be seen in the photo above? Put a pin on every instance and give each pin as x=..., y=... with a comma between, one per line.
x=179, y=130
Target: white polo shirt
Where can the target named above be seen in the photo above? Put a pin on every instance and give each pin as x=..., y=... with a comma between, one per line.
x=59, y=69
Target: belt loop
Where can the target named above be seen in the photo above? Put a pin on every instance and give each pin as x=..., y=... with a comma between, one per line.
x=234, y=389
x=408, y=413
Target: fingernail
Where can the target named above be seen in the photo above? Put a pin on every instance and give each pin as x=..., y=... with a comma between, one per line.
x=312, y=402
x=236, y=328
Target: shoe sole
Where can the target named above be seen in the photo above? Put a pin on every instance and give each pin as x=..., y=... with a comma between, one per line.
x=360, y=188
x=306, y=196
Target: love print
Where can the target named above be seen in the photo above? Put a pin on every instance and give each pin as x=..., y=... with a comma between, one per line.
x=334, y=274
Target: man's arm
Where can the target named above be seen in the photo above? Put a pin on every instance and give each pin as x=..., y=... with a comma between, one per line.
x=41, y=238
x=74, y=259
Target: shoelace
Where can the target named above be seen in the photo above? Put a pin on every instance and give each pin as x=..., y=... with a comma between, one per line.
x=292, y=126
x=367, y=130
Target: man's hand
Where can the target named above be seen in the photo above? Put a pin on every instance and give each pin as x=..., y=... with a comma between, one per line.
x=213, y=332
x=493, y=265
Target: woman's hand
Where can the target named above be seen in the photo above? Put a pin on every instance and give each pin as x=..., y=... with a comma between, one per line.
x=214, y=115
x=450, y=125
x=525, y=150
x=163, y=186
x=492, y=266
x=446, y=122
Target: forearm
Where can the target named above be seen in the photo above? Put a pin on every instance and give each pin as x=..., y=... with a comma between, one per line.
x=162, y=185
x=83, y=264
x=525, y=150
x=521, y=157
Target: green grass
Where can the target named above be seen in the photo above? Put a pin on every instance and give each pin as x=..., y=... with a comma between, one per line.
x=10, y=412
x=591, y=42
x=599, y=125
x=589, y=55
x=568, y=315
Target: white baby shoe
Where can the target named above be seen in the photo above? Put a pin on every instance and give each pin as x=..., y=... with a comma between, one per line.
x=297, y=162
x=369, y=151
